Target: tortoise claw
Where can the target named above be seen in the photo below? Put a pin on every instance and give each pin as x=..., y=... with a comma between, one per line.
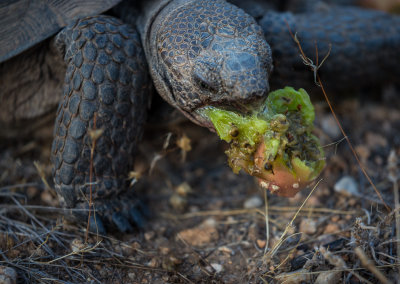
x=123, y=213
x=121, y=223
x=137, y=217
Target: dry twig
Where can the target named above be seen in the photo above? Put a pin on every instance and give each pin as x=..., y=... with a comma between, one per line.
x=367, y=263
x=314, y=67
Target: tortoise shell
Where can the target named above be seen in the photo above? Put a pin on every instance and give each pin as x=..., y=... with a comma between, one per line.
x=24, y=23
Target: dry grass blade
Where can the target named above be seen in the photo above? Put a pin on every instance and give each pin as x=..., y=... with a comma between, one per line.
x=339, y=263
x=83, y=250
x=42, y=175
x=351, y=146
x=367, y=263
x=271, y=210
x=394, y=178
x=276, y=247
x=266, y=222
x=94, y=135
x=184, y=143
x=30, y=262
x=314, y=67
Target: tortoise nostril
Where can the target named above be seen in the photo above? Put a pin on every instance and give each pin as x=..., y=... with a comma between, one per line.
x=204, y=83
x=258, y=94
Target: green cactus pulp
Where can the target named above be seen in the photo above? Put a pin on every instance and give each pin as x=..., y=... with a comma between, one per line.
x=283, y=124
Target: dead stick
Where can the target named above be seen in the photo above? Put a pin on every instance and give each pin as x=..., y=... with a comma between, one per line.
x=368, y=264
x=393, y=177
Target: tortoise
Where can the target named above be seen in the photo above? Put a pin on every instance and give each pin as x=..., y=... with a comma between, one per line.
x=99, y=70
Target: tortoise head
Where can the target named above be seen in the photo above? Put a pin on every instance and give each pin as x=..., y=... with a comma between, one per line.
x=210, y=52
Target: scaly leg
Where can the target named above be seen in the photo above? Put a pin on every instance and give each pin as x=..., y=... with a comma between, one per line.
x=106, y=91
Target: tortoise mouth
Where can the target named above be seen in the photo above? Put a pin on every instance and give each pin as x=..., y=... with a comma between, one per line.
x=198, y=117
x=244, y=107
x=273, y=143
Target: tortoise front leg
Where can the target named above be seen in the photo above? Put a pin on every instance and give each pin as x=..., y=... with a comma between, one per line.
x=99, y=120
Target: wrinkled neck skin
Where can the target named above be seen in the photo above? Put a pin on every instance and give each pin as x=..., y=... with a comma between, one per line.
x=205, y=52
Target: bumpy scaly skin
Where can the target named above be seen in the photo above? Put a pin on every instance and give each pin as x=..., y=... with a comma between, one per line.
x=365, y=47
x=105, y=88
x=208, y=52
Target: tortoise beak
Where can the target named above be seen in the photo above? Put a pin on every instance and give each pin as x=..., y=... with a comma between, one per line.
x=246, y=107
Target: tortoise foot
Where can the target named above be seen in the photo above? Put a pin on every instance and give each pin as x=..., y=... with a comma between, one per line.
x=124, y=213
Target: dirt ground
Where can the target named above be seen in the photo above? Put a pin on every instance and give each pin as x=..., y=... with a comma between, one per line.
x=208, y=225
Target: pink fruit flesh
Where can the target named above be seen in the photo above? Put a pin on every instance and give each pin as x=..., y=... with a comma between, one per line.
x=280, y=180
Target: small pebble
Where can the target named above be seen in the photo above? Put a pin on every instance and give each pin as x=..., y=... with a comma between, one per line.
x=347, y=185
x=261, y=243
x=165, y=250
x=331, y=228
x=135, y=245
x=308, y=226
x=149, y=235
x=330, y=127
x=48, y=198
x=201, y=235
x=132, y=276
x=295, y=277
x=253, y=202
x=363, y=152
x=329, y=277
x=226, y=250
x=153, y=262
x=335, y=219
x=76, y=245
x=32, y=191
x=178, y=202
x=375, y=140
x=217, y=267
x=8, y=275
x=314, y=201
x=184, y=189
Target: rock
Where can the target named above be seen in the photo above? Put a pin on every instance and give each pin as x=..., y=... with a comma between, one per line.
x=132, y=276
x=164, y=250
x=217, y=267
x=253, y=202
x=329, y=277
x=375, y=140
x=77, y=245
x=330, y=127
x=149, y=235
x=201, y=235
x=8, y=275
x=363, y=152
x=308, y=226
x=178, y=202
x=261, y=243
x=154, y=262
x=348, y=186
x=295, y=277
x=331, y=229
x=184, y=189
x=226, y=250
